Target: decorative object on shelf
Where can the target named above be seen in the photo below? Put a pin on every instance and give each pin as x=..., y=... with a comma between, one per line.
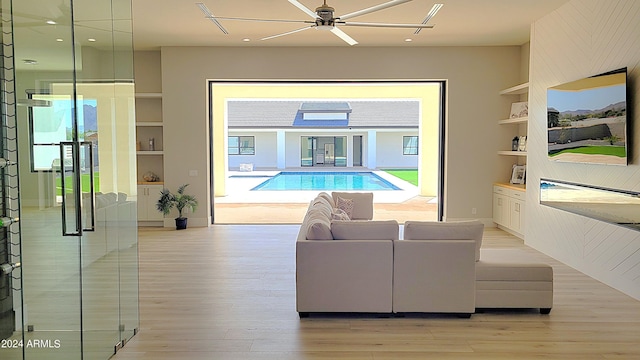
x=180, y=200
x=149, y=176
x=519, y=109
x=152, y=144
x=522, y=143
x=518, y=174
x=514, y=143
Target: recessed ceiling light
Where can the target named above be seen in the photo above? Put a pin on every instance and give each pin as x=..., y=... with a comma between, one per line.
x=408, y=40
x=51, y=22
x=59, y=40
x=30, y=61
x=246, y=39
x=91, y=39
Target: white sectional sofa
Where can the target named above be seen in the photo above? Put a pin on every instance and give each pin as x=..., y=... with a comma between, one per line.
x=362, y=265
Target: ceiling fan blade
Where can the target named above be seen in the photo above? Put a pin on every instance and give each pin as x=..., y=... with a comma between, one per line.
x=372, y=9
x=304, y=8
x=434, y=10
x=342, y=35
x=288, y=32
x=210, y=16
x=387, y=25
x=262, y=20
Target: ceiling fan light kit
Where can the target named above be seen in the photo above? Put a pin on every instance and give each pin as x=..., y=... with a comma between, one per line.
x=324, y=19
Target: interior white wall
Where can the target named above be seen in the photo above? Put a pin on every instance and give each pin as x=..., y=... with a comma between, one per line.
x=266, y=154
x=389, y=151
x=475, y=76
x=580, y=39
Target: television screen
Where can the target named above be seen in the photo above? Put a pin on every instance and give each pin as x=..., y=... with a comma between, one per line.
x=587, y=120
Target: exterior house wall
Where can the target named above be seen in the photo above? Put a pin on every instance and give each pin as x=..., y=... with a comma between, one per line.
x=265, y=154
x=292, y=157
x=584, y=38
x=389, y=150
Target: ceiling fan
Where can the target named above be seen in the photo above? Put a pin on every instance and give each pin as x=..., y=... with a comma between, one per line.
x=324, y=19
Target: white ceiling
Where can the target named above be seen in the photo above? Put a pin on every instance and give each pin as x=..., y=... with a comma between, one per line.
x=459, y=23
x=158, y=23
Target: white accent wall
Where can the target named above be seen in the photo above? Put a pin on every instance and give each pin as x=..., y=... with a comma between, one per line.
x=580, y=39
x=389, y=151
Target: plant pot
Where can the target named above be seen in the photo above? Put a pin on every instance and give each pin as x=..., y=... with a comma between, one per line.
x=181, y=223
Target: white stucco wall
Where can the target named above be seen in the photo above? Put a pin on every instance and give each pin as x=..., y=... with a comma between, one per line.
x=265, y=154
x=389, y=150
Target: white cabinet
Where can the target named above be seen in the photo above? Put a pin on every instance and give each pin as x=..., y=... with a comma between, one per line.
x=148, y=195
x=509, y=208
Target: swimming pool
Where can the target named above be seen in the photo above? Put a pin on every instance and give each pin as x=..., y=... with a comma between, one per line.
x=289, y=180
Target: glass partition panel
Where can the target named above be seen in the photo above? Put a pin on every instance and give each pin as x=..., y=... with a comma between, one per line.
x=80, y=280
x=340, y=151
x=306, y=151
x=618, y=207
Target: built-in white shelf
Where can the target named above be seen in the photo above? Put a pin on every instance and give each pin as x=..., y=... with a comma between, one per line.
x=512, y=153
x=149, y=95
x=518, y=120
x=515, y=90
x=157, y=152
x=149, y=123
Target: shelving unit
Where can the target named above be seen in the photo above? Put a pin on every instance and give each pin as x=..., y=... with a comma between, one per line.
x=512, y=153
x=509, y=199
x=520, y=122
x=149, y=125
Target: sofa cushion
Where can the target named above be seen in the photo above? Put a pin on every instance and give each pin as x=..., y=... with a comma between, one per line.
x=345, y=205
x=438, y=230
x=318, y=227
x=339, y=214
x=362, y=203
x=506, y=271
x=321, y=205
x=328, y=197
x=364, y=230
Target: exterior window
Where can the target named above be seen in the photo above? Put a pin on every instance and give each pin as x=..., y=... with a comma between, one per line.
x=409, y=145
x=242, y=145
x=51, y=124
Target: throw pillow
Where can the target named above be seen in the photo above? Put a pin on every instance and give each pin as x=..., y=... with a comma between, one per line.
x=345, y=205
x=339, y=214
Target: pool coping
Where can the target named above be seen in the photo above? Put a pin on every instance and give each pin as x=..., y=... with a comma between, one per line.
x=239, y=188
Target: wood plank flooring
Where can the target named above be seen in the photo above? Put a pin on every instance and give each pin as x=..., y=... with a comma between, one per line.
x=228, y=292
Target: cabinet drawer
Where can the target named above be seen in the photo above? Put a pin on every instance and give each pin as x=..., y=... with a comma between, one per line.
x=516, y=194
x=500, y=189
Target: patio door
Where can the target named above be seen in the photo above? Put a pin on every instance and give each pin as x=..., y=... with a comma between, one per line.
x=357, y=150
x=329, y=154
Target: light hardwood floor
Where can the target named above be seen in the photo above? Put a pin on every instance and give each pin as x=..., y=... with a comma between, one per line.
x=228, y=292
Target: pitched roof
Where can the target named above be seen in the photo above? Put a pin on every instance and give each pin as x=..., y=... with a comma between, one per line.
x=287, y=114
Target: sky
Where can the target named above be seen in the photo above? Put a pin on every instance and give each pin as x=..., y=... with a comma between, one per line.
x=593, y=99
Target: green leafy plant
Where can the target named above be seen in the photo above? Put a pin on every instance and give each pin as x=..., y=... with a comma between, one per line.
x=612, y=139
x=180, y=200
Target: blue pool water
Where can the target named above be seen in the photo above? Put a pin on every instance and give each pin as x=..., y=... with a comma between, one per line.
x=326, y=181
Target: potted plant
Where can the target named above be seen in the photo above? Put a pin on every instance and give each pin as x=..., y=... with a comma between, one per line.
x=180, y=200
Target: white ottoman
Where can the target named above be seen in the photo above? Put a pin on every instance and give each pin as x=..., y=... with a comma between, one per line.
x=508, y=278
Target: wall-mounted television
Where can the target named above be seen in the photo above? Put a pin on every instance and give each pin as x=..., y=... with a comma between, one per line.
x=587, y=120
